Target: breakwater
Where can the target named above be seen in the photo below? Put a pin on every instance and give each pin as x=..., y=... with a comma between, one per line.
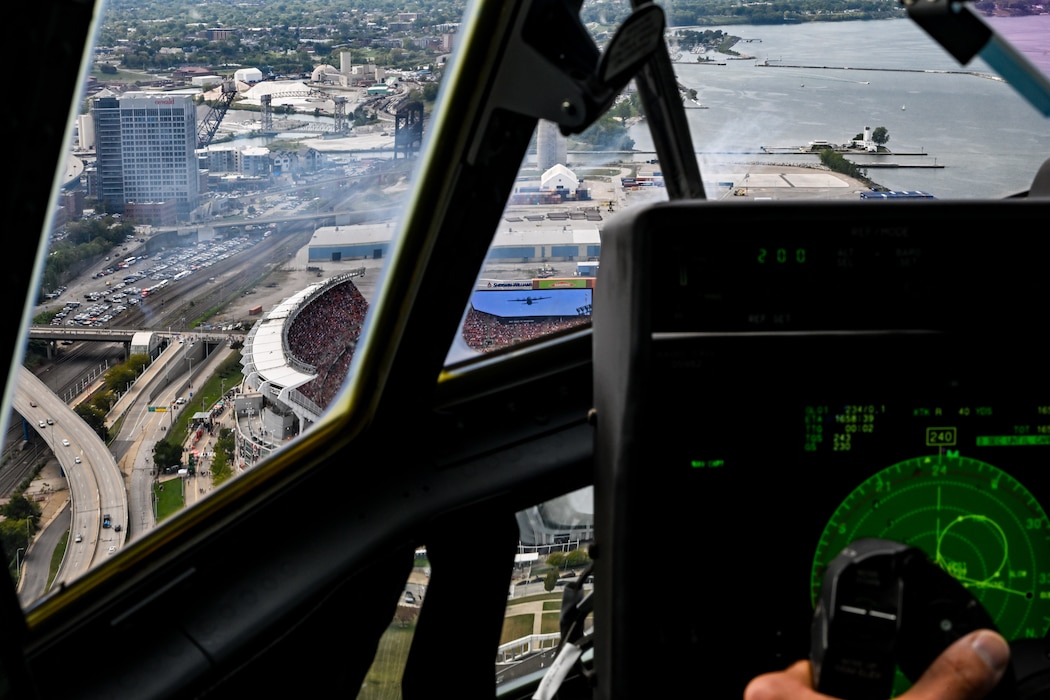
x=977, y=74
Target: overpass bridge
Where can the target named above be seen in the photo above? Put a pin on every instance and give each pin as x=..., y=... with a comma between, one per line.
x=95, y=483
x=125, y=336
x=113, y=335
x=101, y=335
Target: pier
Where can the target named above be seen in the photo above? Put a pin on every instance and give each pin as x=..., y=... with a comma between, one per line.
x=977, y=74
x=898, y=165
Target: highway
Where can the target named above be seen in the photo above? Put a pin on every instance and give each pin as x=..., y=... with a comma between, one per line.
x=97, y=483
x=117, y=479
x=163, y=381
x=96, y=486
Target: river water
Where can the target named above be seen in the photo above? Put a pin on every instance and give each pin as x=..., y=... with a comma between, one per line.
x=869, y=73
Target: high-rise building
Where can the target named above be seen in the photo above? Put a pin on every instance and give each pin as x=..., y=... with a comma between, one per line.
x=145, y=146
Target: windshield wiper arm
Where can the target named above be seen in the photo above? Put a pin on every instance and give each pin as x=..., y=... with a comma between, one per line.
x=662, y=102
x=963, y=34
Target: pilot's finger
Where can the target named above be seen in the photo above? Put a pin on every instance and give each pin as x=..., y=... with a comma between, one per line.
x=791, y=684
x=967, y=670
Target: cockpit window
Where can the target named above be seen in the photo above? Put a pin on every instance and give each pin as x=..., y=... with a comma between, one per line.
x=793, y=109
x=233, y=186
x=230, y=195
x=540, y=273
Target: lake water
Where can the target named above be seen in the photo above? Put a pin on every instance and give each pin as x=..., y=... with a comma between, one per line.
x=989, y=140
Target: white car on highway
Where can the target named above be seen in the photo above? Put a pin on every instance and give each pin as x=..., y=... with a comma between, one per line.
x=65, y=442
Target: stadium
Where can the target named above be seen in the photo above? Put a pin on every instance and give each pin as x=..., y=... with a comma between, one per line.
x=296, y=357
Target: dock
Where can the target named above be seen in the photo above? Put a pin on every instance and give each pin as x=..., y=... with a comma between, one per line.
x=899, y=165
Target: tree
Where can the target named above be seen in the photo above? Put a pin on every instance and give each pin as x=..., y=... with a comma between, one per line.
x=607, y=134
x=406, y=615
x=577, y=558
x=166, y=454
x=550, y=580
x=102, y=401
x=21, y=508
x=880, y=136
x=838, y=163
x=119, y=377
x=13, y=537
x=220, y=465
x=95, y=416
x=623, y=110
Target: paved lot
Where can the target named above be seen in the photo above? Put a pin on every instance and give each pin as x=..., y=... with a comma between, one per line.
x=783, y=182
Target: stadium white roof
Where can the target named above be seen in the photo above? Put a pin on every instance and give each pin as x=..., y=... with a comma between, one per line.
x=268, y=343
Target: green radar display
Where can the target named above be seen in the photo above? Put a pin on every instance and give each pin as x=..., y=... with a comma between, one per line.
x=972, y=519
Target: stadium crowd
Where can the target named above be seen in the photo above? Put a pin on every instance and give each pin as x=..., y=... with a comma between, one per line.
x=485, y=332
x=324, y=334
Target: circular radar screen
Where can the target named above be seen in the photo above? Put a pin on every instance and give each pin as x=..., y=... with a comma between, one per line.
x=974, y=520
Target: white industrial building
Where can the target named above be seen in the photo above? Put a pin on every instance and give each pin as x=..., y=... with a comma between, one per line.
x=535, y=237
x=205, y=81
x=559, y=177
x=248, y=75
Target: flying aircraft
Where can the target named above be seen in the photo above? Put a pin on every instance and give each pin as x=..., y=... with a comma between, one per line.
x=529, y=300
x=761, y=386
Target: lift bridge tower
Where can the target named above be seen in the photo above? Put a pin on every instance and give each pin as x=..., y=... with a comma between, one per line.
x=408, y=129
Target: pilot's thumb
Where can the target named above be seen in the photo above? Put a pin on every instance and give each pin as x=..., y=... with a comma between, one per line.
x=967, y=670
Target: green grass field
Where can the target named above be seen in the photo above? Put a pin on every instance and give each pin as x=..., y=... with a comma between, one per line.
x=516, y=627
x=550, y=623
x=56, y=558
x=383, y=681
x=169, y=498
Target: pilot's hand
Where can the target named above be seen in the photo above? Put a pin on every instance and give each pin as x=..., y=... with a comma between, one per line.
x=967, y=670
